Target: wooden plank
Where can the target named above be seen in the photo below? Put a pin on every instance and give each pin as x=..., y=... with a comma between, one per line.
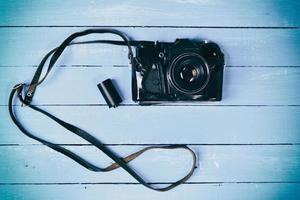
x=243, y=47
x=151, y=13
x=159, y=124
x=242, y=86
x=273, y=191
x=268, y=171
x=259, y=163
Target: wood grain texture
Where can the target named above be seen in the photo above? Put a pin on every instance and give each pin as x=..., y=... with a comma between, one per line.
x=151, y=13
x=248, y=144
x=38, y=164
x=160, y=125
x=274, y=191
x=242, y=47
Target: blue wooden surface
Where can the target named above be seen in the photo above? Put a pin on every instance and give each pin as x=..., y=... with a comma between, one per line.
x=252, y=153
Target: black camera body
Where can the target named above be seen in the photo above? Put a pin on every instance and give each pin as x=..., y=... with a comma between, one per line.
x=186, y=70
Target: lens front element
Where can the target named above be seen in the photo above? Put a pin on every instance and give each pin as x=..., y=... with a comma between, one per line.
x=189, y=73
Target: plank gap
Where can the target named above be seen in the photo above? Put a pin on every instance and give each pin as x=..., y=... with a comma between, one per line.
x=159, y=105
x=156, y=183
x=122, y=66
x=152, y=26
x=163, y=144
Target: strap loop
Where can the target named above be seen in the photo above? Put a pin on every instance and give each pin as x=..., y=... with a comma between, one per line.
x=118, y=161
x=58, y=51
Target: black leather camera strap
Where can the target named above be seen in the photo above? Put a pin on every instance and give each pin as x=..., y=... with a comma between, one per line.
x=20, y=89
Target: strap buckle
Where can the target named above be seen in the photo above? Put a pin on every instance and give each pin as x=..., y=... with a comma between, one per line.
x=19, y=88
x=16, y=87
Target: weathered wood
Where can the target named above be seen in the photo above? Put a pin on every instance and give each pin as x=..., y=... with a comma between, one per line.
x=260, y=106
x=243, y=47
x=160, y=124
x=39, y=164
x=151, y=13
x=274, y=191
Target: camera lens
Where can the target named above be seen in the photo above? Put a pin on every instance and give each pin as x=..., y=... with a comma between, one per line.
x=189, y=73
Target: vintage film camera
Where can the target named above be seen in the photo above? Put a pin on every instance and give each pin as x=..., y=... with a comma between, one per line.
x=185, y=70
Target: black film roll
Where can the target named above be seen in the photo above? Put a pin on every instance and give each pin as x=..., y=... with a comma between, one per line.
x=110, y=93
